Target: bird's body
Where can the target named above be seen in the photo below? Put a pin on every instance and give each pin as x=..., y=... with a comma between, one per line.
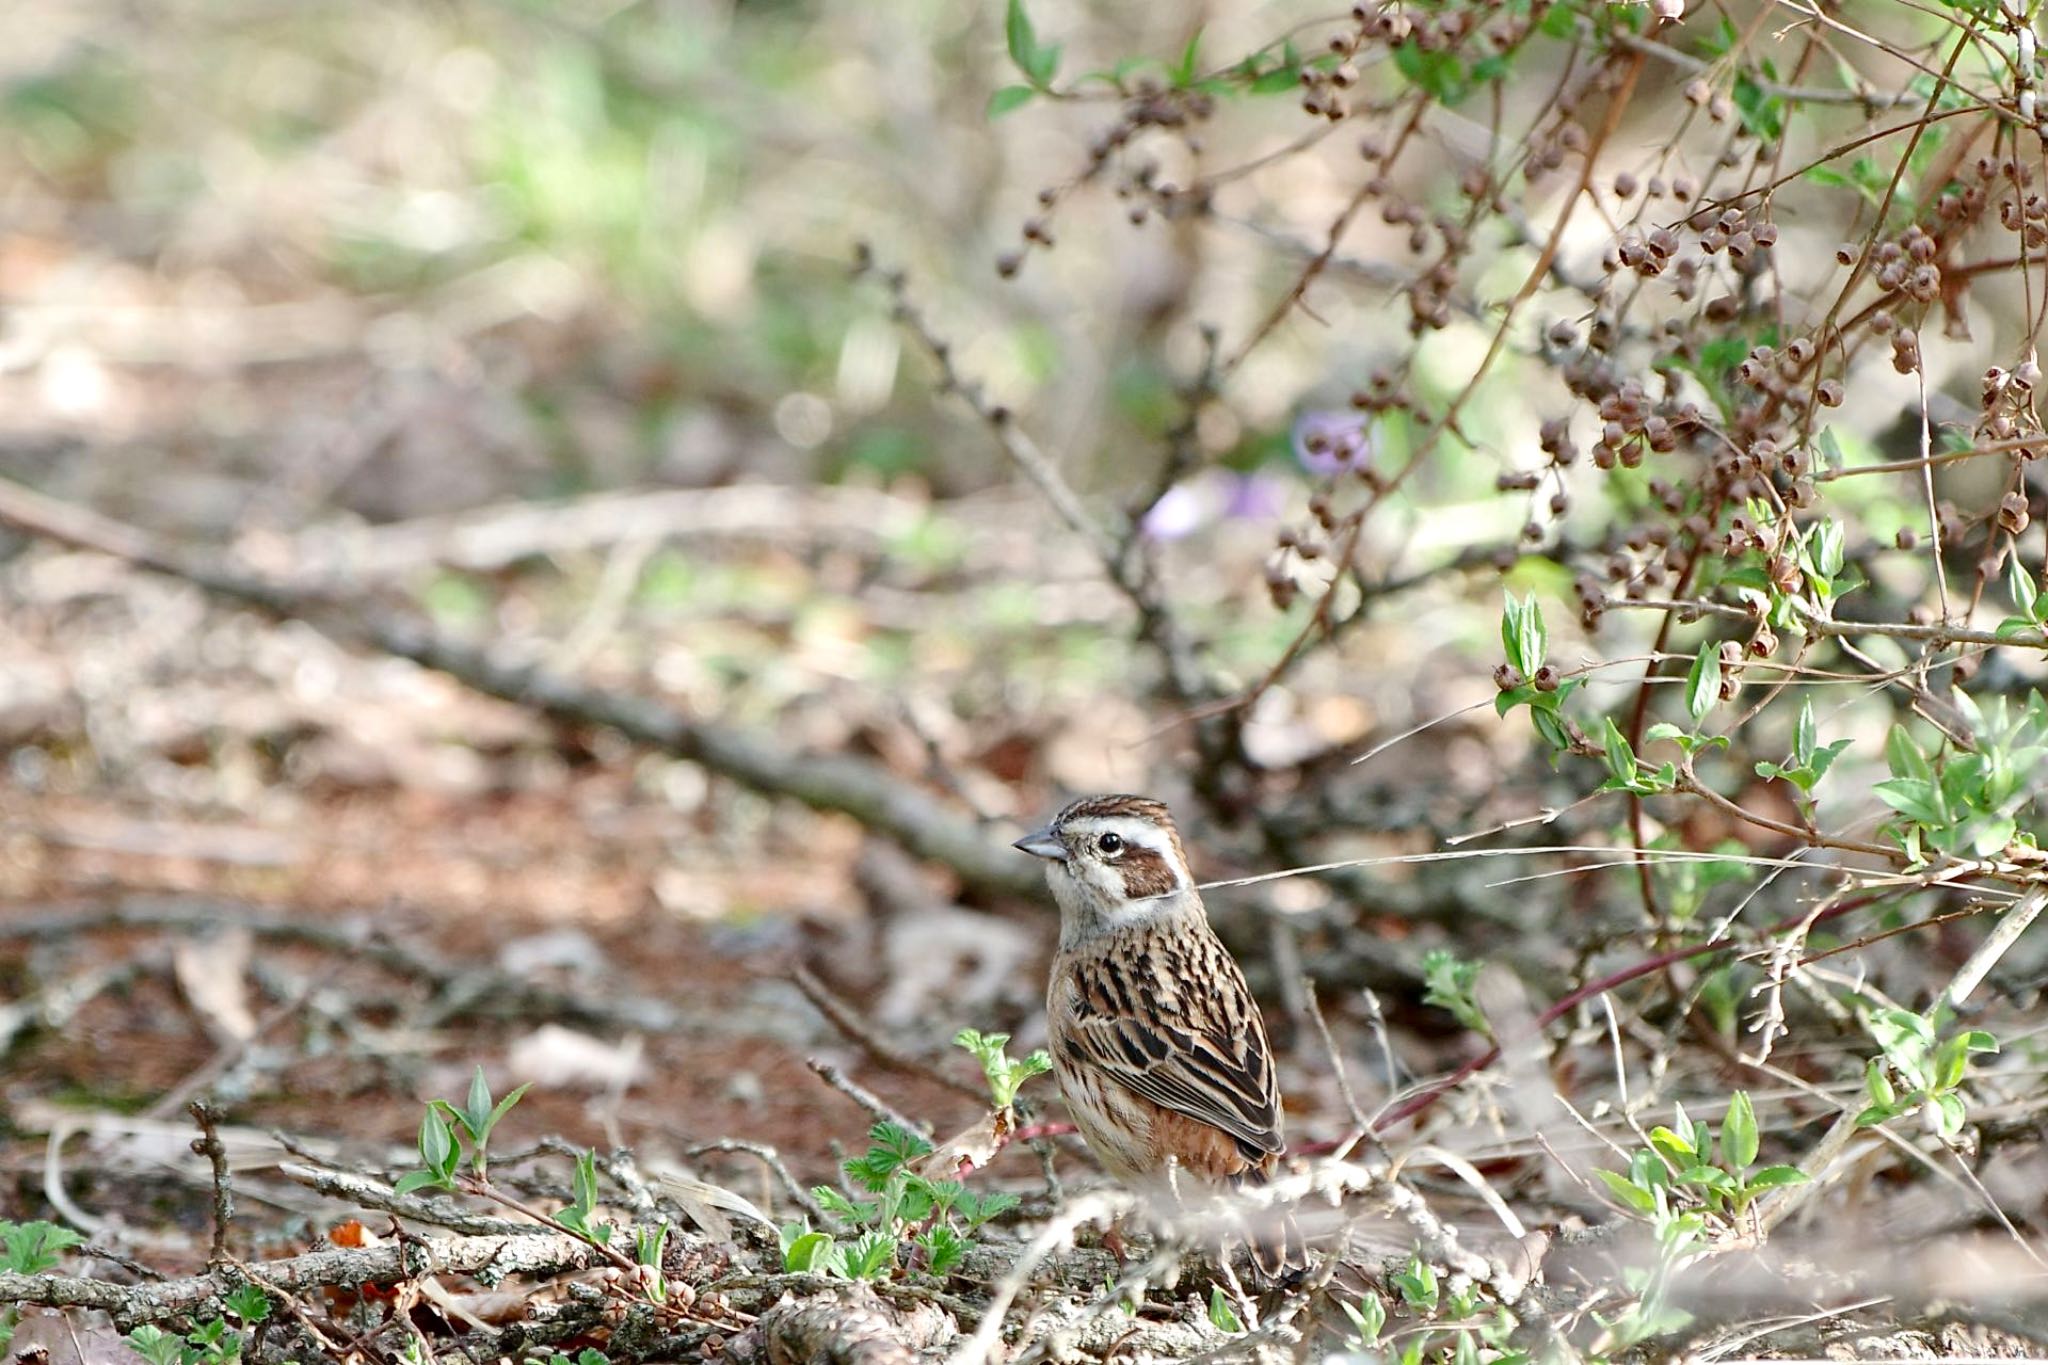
x=1156, y=1041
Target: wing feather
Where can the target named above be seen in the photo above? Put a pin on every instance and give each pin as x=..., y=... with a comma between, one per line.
x=1188, y=1040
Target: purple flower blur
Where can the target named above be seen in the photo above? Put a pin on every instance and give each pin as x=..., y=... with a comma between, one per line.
x=1179, y=512
x=1332, y=441
x=1217, y=495
x=1254, y=497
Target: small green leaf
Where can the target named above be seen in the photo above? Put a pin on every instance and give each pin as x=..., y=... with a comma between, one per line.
x=1914, y=798
x=1621, y=759
x=1368, y=1317
x=1905, y=756
x=437, y=1144
x=980, y=1209
x=1803, y=733
x=1183, y=72
x=1674, y=1145
x=1221, y=1315
x=502, y=1108
x=1950, y=1114
x=156, y=1345
x=807, y=1253
x=1774, y=1177
x=1949, y=1064
x=1535, y=638
x=476, y=1110
x=1039, y=64
x=943, y=1248
x=34, y=1247
x=871, y=1257
x=1829, y=444
x=1703, y=682
x=248, y=1303
x=418, y=1180
x=1417, y=1283
x=1627, y=1191
x=1009, y=98
x=1739, y=1133
x=1879, y=1086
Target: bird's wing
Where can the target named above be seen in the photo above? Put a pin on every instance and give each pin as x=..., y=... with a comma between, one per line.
x=1175, y=1023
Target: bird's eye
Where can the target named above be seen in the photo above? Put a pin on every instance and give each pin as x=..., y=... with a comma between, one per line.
x=1110, y=843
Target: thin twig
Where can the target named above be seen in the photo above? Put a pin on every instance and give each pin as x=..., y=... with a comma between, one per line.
x=847, y=1020
x=208, y=1145
x=877, y=1107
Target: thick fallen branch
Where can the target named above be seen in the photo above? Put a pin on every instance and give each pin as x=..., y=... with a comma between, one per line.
x=852, y=786
x=853, y=1327
x=489, y=1259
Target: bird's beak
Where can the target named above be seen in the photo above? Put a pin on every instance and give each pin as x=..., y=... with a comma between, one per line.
x=1043, y=844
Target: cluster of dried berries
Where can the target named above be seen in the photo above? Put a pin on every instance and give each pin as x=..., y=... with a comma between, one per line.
x=2008, y=414
x=2023, y=211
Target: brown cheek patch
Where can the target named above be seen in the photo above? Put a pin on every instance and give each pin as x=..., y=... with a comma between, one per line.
x=1145, y=873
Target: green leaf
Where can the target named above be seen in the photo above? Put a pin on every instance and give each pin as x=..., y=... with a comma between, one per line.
x=1977, y=1040
x=1879, y=1086
x=1913, y=797
x=1950, y=1114
x=156, y=1345
x=502, y=1108
x=981, y=1208
x=1627, y=1191
x=871, y=1257
x=1674, y=1145
x=1440, y=74
x=476, y=1110
x=809, y=1253
x=1703, y=682
x=1221, y=1315
x=419, y=1180
x=248, y=1303
x=1621, y=759
x=1417, y=1283
x=1762, y=114
x=2020, y=586
x=437, y=1144
x=1826, y=442
x=1447, y=984
x=1739, y=1134
x=1949, y=1064
x=1905, y=756
x=34, y=1247
x=1504, y=702
x=1803, y=736
x=1523, y=633
x=943, y=1248
x=1039, y=64
x=1368, y=1317
x=837, y=1204
x=1183, y=72
x=1009, y=98
x=1775, y=1177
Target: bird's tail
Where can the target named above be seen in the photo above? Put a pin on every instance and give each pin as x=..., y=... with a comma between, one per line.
x=1276, y=1252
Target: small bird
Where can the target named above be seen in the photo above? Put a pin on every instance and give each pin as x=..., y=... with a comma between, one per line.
x=1155, y=1038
